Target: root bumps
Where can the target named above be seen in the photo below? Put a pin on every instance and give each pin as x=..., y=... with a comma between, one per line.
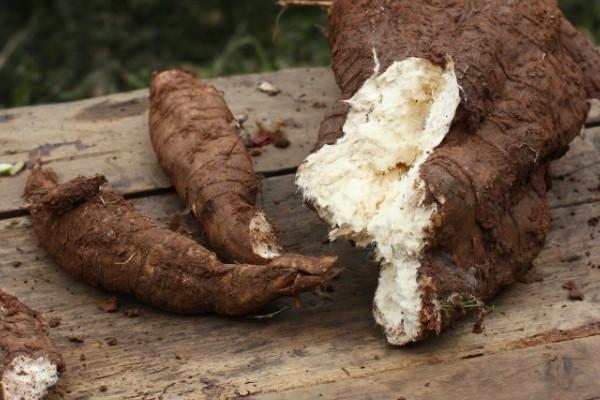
x=99, y=238
x=196, y=141
x=450, y=114
x=29, y=361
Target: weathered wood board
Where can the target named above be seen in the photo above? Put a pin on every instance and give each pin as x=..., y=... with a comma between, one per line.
x=538, y=345
x=554, y=372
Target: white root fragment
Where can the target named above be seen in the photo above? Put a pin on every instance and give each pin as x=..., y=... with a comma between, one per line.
x=268, y=88
x=28, y=378
x=367, y=185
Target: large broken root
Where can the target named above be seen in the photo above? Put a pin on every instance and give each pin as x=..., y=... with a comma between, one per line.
x=437, y=151
x=29, y=361
x=98, y=237
x=195, y=138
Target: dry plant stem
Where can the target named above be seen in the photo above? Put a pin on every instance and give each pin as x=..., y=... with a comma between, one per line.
x=101, y=239
x=29, y=361
x=196, y=140
x=524, y=75
x=319, y=3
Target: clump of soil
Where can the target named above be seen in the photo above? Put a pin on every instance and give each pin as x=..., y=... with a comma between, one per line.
x=574, y=292
x=109, y=305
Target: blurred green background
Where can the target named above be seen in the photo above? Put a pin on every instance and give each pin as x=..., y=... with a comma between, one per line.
x=60, y=50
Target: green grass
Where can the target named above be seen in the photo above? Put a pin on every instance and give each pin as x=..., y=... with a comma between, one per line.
x=60, y=50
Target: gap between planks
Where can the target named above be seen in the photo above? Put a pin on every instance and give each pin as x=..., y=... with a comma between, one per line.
x=135, y=195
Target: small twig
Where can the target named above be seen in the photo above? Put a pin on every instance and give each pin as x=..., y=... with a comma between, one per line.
x=268, y=316
x=321, y=3
x=11, y=46
x=125, y=262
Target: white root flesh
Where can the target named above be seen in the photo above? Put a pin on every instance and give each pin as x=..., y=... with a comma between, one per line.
x=367, y=185
x=28, y=378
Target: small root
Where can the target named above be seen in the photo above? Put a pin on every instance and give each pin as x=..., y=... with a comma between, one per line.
x=268, y=316
x=127, y=261
x=320, y=3
x=322, y=294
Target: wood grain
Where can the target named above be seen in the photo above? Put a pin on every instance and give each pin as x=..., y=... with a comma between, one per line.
x=562, y=371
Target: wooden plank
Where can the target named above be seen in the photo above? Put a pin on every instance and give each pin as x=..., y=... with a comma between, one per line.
x=110, y=134
x=577, y=174
x=159, y=354
x=561, y=371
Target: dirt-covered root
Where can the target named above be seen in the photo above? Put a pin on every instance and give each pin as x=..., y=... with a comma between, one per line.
x=450, y=114
x=103, y=240
x=586, y=56
x=29, y=362
x=196, y=140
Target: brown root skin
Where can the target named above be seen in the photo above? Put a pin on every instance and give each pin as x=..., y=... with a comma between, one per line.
x=60, y=199
x=106, y=242
x=525, y=76
x=586, y=56
x=23, y=332
x=195, y=138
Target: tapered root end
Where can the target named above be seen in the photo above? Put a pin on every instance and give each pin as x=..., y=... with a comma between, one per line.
x=171, y=78
x=305, y=264
x=310, y=272
x=249, y=287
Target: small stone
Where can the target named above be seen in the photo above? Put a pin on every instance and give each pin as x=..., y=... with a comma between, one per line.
x=531, y=276
x=109, y=305
x=75, y=339
x=576, y=294
x=241, y=118
x=268, y=88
